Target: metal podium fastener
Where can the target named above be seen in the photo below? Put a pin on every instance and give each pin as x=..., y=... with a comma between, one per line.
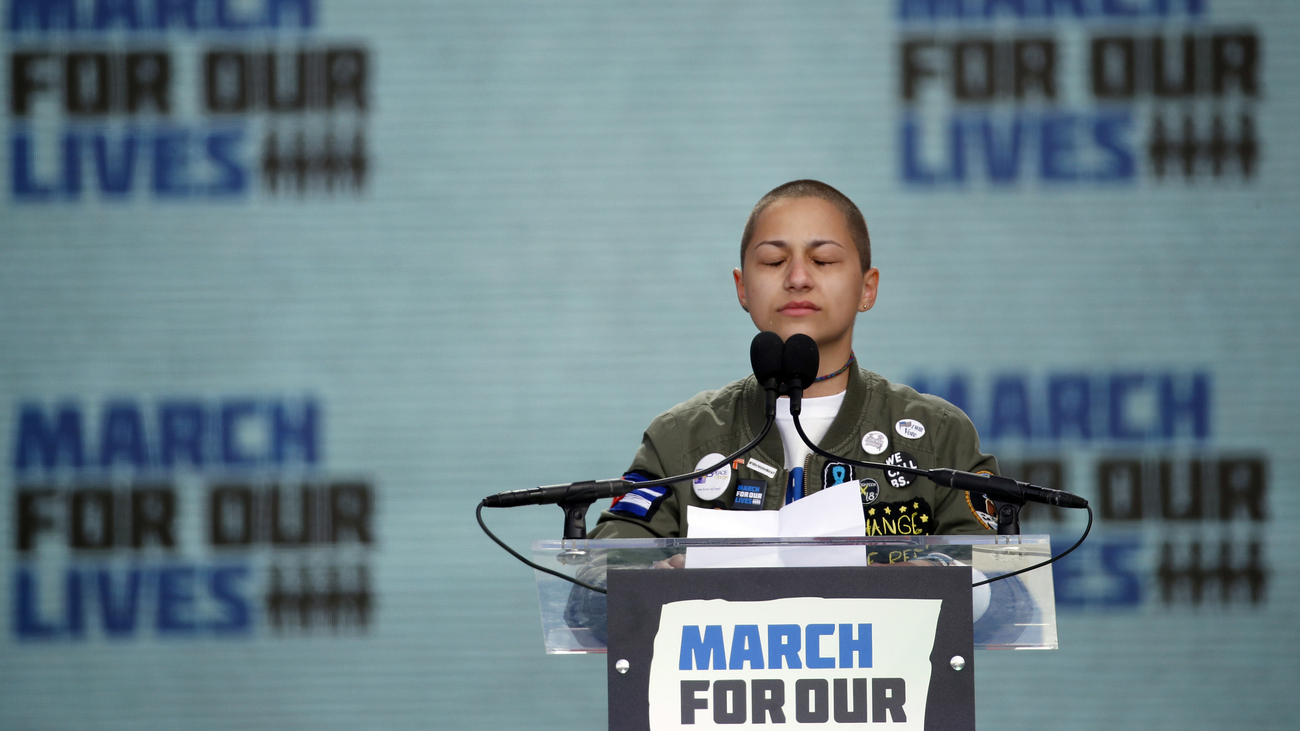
x=957, y=662
x=622, y=666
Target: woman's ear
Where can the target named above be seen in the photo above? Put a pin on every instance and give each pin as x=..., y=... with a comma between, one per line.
x=739, y=276
x=870, y=286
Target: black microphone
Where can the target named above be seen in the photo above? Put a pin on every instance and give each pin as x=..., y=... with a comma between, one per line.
x=765, y=356
x=589, y=490
x=1005, y=488
x=799, y=361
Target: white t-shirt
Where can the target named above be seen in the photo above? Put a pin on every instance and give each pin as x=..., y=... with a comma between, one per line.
x=815, y=417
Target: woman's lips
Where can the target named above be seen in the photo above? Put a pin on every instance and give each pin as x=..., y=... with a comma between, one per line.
x=796, y=309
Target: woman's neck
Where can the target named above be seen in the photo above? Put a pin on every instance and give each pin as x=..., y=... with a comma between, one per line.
x=828, y=363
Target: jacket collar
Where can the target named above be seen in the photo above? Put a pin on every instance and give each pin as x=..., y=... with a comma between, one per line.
x=839, y=438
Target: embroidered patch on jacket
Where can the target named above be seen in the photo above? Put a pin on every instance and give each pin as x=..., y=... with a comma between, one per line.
x=988, y=516
x=912, y=517
x=749, y=495
x=635, y=476
x=641, y=503
x=836, y=473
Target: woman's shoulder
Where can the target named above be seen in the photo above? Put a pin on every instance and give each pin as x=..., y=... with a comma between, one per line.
x=902, y=401
x=717, y=404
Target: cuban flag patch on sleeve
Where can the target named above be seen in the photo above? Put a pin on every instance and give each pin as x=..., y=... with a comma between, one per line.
x=640, y=503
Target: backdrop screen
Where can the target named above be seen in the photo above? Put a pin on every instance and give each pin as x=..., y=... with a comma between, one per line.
x=288, y=286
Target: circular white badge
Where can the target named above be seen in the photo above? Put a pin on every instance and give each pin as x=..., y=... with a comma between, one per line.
x=910, y=428
x=875, y=442
x=710, y=486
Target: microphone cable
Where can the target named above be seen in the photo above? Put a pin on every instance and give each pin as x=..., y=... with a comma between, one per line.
x=925, y=473
x=478, y=512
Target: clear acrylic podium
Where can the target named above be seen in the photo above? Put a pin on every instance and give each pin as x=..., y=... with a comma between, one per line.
x=1018, y=613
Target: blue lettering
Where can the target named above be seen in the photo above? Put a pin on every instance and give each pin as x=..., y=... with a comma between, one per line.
x=174, y=169
x=982, y=11
x=115, y=179
x=74, y=612
x=813, y=637
x=27, y=621
x=1121, y=386
x=957, y=150
x=232, y=413
x=181, y=424
x=746, y=647
x=44, y=15
x=1010, y=408
x=1123, y=406
x=1069, y=406
x=1076, y=7
x=1057, y=149
x=118, y=614
x=1185, y=399
x=24, y=183
x=1101, y=575
x=224, y=587
x=50, y=447
x=783, y=644
x=861, y=645
x=121, y=601
x=223, y=153
x=1070, y=148
x=1014, y=8
x=183, y=10
x=72, y=165
x=1127, y=585
x=176, y=600
x=304, y=11
x=170, y=164
x=1118, y=8
x=1002, y=156
x=110, y=13
x=699, y=652
x=1110, y=132
x=228, y=20
x=122, y=436
x=914, y=171
x=300, y=433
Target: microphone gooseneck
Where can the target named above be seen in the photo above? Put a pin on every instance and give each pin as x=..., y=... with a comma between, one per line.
x=799, y=361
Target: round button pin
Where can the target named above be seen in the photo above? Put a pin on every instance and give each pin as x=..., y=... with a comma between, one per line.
x=710, y=486
x=875, y=442
x=910, y=428
x=900, y=479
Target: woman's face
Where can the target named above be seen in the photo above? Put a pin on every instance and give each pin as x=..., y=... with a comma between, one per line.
x=801, y=274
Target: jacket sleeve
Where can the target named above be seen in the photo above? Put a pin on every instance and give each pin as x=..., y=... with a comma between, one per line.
x=647, y=512
x=957, y=509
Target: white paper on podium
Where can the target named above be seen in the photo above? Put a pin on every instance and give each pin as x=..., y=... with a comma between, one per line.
x=835, y=511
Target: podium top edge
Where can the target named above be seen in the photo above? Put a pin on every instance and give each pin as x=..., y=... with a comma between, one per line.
x=952, y=540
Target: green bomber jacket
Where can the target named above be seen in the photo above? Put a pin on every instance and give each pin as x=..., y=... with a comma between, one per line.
x=877, y=420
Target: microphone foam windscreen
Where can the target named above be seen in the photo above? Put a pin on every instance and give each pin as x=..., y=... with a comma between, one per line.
x=766, y=355
x=800, y=360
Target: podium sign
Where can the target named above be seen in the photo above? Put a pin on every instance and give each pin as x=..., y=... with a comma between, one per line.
x=815, y=647
x=1019, y=613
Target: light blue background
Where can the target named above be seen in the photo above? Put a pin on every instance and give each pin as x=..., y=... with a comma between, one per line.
x=541, y=263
